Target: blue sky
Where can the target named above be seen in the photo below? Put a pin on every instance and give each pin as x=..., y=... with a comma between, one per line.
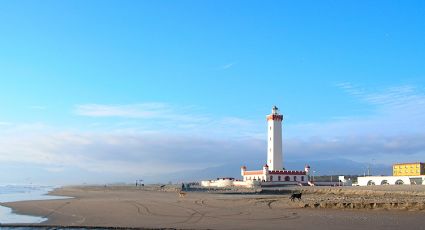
x=93, y=87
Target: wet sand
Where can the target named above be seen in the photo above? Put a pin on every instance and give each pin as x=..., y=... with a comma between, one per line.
x=153, y=208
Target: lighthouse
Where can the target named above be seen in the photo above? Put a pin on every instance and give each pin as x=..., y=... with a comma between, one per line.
x=272, y=172
x=274, y=140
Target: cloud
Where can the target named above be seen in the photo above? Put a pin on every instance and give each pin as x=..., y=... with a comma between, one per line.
x=391, y=98
x=133, y=154
x=37, y=107
x=154, y=139
x=161, y=117
x=227, y=66
x=360, y=148
x=145, y=110
x=150, y=155
x=393, y=132
x=396, y=111
x=55, y=169
x=4, y=123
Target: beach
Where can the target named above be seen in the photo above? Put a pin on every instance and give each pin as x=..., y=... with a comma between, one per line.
x=155, y=207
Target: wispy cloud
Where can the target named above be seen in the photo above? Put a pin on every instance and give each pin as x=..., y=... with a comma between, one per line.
x=144, y=110
x=384, y=149
x=37, y=107
x=395, y=111
x=397, y=97
x=227, y=66
x=175, y=138
x=134, y=154
x=4, y=123
x=391, y=132
x=160, y=117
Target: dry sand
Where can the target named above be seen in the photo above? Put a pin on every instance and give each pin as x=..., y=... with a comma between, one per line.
x=152, y=208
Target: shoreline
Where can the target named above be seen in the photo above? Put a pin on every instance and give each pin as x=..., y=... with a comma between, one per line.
x=21, y=194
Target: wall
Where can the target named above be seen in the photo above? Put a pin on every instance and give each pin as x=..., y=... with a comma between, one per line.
x=390, y=180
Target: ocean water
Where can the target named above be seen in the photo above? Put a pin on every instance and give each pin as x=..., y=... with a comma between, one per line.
x=10, y=193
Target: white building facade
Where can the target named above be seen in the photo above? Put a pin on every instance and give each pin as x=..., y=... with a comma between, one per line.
x=390, y=180
x=275, y=176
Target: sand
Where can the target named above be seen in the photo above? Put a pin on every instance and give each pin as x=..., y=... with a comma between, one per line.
x=125, y=206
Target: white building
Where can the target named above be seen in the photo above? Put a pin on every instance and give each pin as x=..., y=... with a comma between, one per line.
x=228, y=182
x=390, y=180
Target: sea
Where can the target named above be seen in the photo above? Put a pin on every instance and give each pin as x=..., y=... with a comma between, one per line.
x=13, y=221
x=11, y=193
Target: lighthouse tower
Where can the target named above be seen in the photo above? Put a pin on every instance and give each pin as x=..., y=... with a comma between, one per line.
x=274, y=140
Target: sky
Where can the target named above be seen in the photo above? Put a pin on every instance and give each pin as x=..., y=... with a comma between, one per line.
x=113, y=91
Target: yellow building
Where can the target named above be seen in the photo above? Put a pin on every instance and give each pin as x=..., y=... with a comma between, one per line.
x=409, y=169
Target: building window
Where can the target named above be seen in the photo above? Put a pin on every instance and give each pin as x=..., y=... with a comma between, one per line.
x=278, y=178
x=287, y=178
x=271, y=178
x=295, y=178
x=302, y=178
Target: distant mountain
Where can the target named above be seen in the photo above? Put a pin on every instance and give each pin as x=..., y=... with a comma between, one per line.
x=337, y=166
x=341, y=166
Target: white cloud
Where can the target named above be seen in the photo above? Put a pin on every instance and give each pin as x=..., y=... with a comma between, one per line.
x=37, y=107
x=384, y=149
x=161, y=117
x=397, y=111
x=227, y=66
x=148, y=111
x=134, y=154
x=145, y=110
x=4, y=123
x=156, y=138
x=55, y=169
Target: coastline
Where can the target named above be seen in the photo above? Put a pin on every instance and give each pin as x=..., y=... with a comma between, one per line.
x=21, y=193
x=152, y=208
